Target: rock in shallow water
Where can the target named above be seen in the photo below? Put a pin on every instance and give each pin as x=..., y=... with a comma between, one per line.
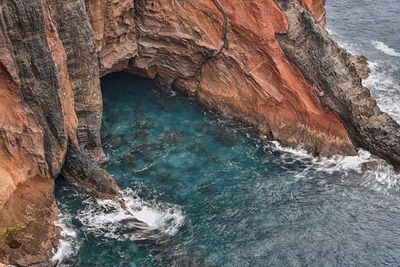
x=145, y=123
x=226, y=137
x=198, y=148
x=129, y=160
x=146, y=149
x=142, y=135
x=115, y=142
x=173, y=137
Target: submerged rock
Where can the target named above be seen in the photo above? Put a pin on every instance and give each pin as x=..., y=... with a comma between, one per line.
x=166, y=104
x=145, y=123
x=142, y=135
x=226, y=137
x=198, y=148
x=115, y=142
x=129, y=160
x=146, y=148
x=207, y=129
x=174, y=137
x=164, y=177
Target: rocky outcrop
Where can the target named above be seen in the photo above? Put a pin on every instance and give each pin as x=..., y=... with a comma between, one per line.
x=338, y=74
x=37, y=118
x=37, y=124
x=77, y=38
x=266, y=63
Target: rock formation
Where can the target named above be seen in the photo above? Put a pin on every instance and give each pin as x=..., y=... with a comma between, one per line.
x=38, y=121
x=267, y=63
x=338, y=74
x=317, y=8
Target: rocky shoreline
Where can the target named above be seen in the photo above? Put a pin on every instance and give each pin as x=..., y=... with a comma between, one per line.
x=270, y=65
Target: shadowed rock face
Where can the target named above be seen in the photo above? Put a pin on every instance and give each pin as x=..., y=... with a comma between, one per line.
x=266, y=63
x=37, y=122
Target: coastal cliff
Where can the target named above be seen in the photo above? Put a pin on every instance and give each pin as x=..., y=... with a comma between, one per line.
x=269, y=64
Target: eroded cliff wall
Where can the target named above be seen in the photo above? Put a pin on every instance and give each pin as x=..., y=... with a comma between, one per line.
x=267, y=63
x=37, y=119
x=38, y=122
x=224, y=53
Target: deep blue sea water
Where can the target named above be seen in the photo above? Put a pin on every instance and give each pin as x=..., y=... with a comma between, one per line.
x=372, y=28
x=214, y=193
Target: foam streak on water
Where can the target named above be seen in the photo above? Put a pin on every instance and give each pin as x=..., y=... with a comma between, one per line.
x=385, y=49
x=382, y=177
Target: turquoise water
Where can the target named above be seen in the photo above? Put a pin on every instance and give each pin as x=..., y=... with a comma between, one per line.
x=214, y=193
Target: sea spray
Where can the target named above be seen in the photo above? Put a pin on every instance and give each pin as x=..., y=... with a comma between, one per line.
x=68, y=244
x=103, y=217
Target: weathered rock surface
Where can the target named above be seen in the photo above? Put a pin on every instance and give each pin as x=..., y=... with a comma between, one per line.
x=267, y=63
x=317, y=8
x=37, y=122
x=339, y=74
x=222, y=54
x=77, y=38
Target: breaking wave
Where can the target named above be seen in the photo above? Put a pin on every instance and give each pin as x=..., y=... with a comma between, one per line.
x=385, y=49
x=135, y=219
x=138, y=220
x=363, y=169
x=69, y=244
x=384, y=87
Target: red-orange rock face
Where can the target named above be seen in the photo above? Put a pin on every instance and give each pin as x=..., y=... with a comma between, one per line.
x=27, y=204
x=226, y=54
x=316, y=7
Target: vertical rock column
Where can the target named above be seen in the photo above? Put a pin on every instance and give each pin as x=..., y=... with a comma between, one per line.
x=37, y=120
x=83, y=67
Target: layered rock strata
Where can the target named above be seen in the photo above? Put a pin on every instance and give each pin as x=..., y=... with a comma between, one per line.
x=38, y=121
x=267, y=63
x=226, y=55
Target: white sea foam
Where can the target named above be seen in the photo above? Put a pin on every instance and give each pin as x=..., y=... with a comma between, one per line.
x=384, y=87
x=380, y=177
x=385, y=49
x=69, y=245
x=139, y=218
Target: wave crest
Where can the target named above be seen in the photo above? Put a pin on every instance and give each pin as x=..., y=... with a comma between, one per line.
x=385, y=49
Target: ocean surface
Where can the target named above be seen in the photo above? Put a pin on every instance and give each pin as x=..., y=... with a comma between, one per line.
x=211, y=192
x=371, y=28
